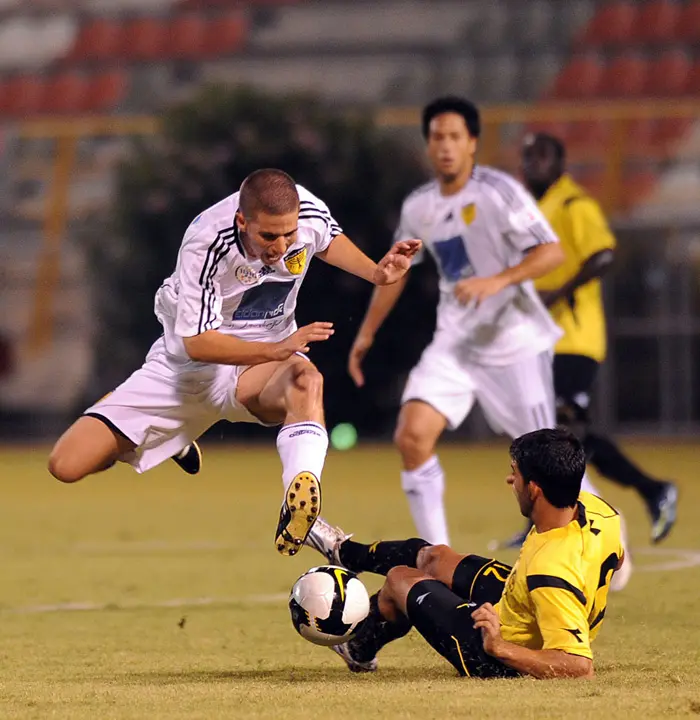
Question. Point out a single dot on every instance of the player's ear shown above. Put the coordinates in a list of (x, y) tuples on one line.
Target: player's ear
[(240, 221)]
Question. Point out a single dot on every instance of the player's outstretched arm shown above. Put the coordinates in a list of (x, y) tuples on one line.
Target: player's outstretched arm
[(344, 254), (215, 347), (382, 303)]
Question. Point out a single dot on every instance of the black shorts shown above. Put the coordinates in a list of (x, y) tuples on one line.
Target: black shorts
[(573, 379), (443, 616)]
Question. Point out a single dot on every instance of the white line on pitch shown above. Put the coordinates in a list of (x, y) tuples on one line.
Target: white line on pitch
[(172, 603)]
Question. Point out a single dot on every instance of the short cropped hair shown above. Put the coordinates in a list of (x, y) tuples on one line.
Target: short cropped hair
[(452, 104), (555, 460), (270, 191), (542, 139)]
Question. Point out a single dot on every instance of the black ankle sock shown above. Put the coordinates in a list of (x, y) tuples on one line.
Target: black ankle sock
[(380, 557), (375, 632), (608, 459)]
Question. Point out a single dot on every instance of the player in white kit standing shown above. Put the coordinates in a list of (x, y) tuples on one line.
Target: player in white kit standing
[(494, 338), (230, 347)]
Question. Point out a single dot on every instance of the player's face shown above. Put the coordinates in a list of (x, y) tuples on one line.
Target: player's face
[(521, 489), (540, 167), (450, 146), (268, 237)]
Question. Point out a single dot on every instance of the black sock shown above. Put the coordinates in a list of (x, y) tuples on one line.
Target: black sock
[(380, 557), (375, 632), (608, 459)]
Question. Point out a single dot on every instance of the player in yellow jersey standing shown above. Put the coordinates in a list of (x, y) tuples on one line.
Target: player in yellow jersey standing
[(487, 619), (573, 294)]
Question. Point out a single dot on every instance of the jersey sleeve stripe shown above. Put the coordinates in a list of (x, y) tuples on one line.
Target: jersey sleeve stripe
[(218, 249), (552, 581), (541, 235)]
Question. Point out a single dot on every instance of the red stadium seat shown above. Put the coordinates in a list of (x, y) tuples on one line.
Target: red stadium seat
[(592, 178), (24, 95), (668, 75), (670, 131), (106, 91), (693, 84), (579, 79), (611, 25), (65, 93), (656, 22), (187, 37), (624, 77), (588, 140), (97, 40), (144, 39), (225, 34), (688, 28), (637, 185)]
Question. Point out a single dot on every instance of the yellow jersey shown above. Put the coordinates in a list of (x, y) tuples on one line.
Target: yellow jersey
[(583, 231), (557, 591)]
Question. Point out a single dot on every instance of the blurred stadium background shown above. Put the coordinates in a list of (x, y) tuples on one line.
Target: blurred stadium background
[(81, 80), (163, 596)]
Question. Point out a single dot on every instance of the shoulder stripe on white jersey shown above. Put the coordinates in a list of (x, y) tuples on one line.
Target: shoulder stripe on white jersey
[(330, 223), (218, 249), (503, 189)]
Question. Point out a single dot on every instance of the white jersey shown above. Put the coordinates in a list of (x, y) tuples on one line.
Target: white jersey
[(482, 230), (215, 286)]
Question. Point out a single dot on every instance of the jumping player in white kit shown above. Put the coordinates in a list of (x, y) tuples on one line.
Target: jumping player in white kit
[(494, 338), (230, 347)]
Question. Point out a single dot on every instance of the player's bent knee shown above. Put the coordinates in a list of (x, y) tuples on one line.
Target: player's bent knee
[(431, 558), (63, 468), (412, 444), (308, 379)]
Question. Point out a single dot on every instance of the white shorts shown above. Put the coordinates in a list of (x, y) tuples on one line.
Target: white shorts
[(169, 402), (515, 398)]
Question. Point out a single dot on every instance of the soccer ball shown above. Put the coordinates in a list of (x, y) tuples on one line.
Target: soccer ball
[(327, 604)]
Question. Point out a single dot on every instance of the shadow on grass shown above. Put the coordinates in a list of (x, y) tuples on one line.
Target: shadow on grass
[(285, 675)]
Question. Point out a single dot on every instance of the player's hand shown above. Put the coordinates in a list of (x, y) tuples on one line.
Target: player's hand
[(396, 263), (486, 619), (479, 288), (360, 348), (300, 340)]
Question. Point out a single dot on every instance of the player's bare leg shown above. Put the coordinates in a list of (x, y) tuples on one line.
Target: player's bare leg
[(418, 429), (87, 447), (292, 393)]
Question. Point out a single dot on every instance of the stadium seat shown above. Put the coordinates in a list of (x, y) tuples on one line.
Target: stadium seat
[(588, 140), (24, 95), (579, 79), (636, 185), (669, 131), (65, 93), (226, 34), (98, 39), (611, 25), (144, 38), (692, 86), (186, 37), (623, 77), (105, 91), (668, 75), (688, 28), (592, 178), (656, 22)]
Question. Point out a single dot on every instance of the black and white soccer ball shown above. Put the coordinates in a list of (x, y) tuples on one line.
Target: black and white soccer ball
[(327, 604)]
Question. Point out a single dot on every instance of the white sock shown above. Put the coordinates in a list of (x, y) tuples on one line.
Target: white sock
[(424, 488), (302, 448)]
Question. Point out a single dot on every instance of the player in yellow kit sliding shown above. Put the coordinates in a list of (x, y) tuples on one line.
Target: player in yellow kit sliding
[(573, 294), (486, 618)]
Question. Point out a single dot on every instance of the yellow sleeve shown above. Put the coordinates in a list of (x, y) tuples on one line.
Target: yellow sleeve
[(560, 611), (590, 232)]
